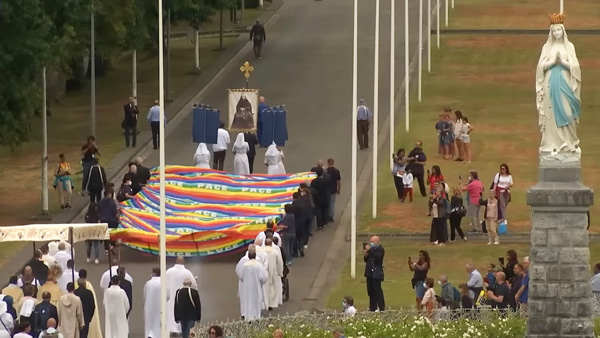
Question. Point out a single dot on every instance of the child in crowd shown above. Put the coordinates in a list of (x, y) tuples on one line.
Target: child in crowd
[(407, 180)]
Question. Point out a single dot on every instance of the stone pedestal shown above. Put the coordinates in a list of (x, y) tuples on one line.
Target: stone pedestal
[(560, 297)]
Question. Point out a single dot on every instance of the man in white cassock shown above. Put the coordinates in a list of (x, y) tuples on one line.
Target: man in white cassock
[(273, 287), (152, 305), (253, 277), (261, 236), (116, 306), (105, 280), (175, 278), (261, 257)]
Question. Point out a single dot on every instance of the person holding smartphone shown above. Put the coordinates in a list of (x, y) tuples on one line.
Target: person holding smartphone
[(509, 268), (420, 269)]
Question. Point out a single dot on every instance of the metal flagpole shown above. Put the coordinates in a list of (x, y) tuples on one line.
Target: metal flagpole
[(406, 70), (438, 23), (134, 75), (162, 240), (93, 71), (420, 48), (452, 4), (354, 143), (45, 148), (375, 108), (562, 6), (446, 8), (429, 36), (392, 77)]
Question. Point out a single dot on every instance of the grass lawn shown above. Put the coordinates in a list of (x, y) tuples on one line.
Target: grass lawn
[(491, 80), (449, 260), (523, 14), (69, 126)]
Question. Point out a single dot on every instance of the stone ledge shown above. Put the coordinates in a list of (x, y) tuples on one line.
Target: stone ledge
[(554, 194)]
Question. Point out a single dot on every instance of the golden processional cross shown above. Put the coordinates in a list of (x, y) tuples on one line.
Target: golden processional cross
[(246, 68)]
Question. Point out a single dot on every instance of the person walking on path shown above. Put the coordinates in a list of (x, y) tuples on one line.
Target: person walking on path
[(252, 141), (274, 160), (43, 312), (92, 217), (363, 114), (38, 268), (95, 330), (127, 286), (458, 211), (202, 156), (240, 160), (116, 306), (335, 179), (152, 305), (373, 256), (154, 119), (6, 321), (108, 213), (288, 226), (398, 171), (175, 278), (51, 331), (88, 305), (63, 182), (89, 152), (258, 36), (129, 123), (95, 181), (320, 192), (220, 148), (188, 309), (416, 164), (503, 181), (70, 313)]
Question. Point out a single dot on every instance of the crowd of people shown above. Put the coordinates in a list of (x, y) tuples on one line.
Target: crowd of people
[(263, 271)]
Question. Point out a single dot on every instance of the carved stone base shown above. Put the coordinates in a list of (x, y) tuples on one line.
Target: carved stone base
[(560, 302)]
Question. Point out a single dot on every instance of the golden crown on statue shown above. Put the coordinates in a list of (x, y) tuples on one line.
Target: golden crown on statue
[(556, 18)]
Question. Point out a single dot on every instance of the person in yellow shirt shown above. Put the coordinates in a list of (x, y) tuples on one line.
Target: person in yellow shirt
[(13, 290)]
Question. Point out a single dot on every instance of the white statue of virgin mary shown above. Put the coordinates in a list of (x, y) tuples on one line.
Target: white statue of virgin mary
[(558, 92)]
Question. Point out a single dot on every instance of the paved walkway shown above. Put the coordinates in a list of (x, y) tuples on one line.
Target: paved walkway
[(306, 65)]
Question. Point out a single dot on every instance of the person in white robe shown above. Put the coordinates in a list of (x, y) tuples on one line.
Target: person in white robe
[(62, 256), (274, 160), (106, 276), (202, 156), (68, 276), (152, 306), (261, 236), (6, 320), (116, 306), (53, 247), (273, 287), (253, 277), (175, 278), (261, 257), (241, 166)]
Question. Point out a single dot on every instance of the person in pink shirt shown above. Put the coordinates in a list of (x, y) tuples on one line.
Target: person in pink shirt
[(474, 190)]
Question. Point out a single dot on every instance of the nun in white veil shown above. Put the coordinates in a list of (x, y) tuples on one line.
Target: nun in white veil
[(558, 91), (274, 160), (202, 156), (240, 160)]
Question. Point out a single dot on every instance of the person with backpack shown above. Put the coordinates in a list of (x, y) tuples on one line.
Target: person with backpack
[(108, 213), (439, 210), (95, 181), (51, 331), (258, 36), (449, 293), (126, 190)]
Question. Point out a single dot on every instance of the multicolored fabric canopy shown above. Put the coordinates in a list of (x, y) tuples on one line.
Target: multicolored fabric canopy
[(208, 212)]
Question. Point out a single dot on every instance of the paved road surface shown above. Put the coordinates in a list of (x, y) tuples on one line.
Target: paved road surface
[(307, 65)]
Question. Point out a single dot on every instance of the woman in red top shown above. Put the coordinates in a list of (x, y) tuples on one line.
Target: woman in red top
[(434, 176)]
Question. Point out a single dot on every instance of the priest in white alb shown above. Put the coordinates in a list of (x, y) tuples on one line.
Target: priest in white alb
[(152, 305), (116, 306), (273, 287), (105, 280), (253, 277), (175, 278)]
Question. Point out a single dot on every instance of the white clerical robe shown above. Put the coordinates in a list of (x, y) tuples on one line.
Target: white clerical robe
[(62, 257), (261, 257), (152, 308), (252, 276), (261, 236), (105, 280), (175, 278), (66, 278), (116, 305), (273, 287), (53, 247)]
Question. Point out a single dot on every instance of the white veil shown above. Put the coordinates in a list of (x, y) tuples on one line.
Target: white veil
[(202, 149), (239, 141), (272, 150)]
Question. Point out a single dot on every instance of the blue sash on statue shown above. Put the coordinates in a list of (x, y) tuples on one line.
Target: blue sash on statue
[(558, 88)]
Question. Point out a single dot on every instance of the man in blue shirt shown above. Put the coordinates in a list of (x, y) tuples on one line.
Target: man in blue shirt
[(154, 119), (363, 117), (522, 295)]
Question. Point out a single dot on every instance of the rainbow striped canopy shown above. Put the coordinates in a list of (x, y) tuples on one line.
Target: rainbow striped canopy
[(208, 212)]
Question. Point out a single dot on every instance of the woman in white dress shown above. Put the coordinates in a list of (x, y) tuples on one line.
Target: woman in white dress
[(274, 160), (202, 156), (240, 161)]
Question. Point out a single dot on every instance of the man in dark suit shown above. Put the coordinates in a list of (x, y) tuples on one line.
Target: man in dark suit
[(126, 286), (252, 140), (130, 122), (373, 256), (38, 267), (143, 173), (187, 307), (88, 305), (258, 36), (320, 191)]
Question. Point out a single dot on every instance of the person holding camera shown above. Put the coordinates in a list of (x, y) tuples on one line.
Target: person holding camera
[(129, 123), (373, 255)]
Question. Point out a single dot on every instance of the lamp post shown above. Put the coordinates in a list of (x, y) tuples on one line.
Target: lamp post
[(392, 77), (93, 70), (406, 70), (354, 145), (375, 108), (45, 148), (420, 49)]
